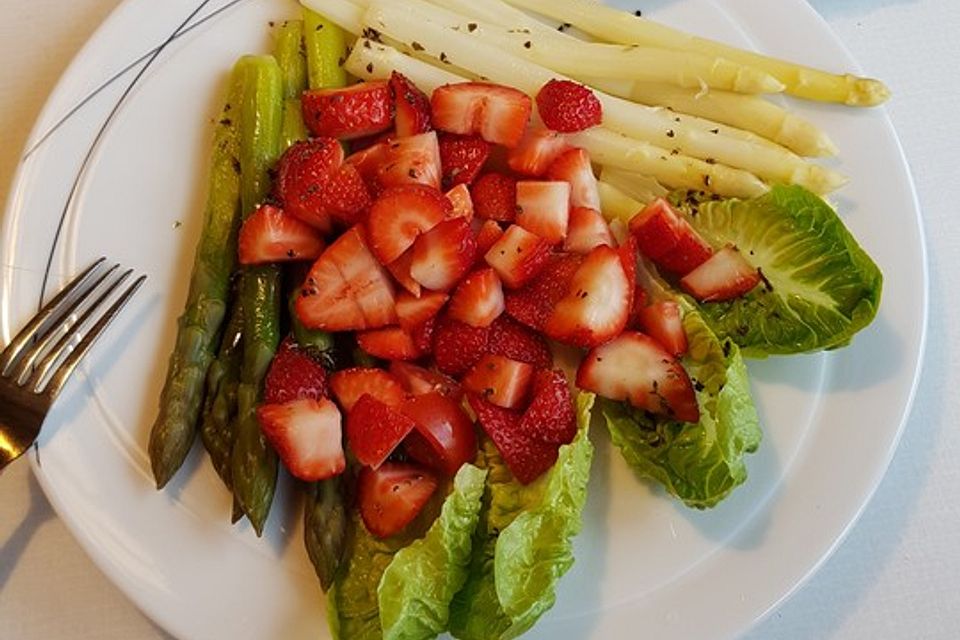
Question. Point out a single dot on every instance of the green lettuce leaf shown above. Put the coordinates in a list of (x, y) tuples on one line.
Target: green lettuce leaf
[(699, 463)]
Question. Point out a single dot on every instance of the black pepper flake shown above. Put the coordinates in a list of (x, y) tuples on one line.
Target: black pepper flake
[(564, 26), (236, 165), (677, 119), (527, 44), (413, 174), (699, 386), (416, 46), (671, 133), (443, 58), (674, 152), (371, 33), (471, 26), (367, 45), (726, 348), (226, 122), (369, 67), (715, 131), (340, 61), (318, 27), (710, 160), (272, 24), (706, 180), (291, 253), (638, 13), (764, 279), (177, 224)]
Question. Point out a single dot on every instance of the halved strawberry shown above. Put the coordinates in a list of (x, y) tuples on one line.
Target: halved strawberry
[(413, 311), (478, 299), (400, 215), (444, 437), (410, 160), (400, 270), (543, 208), (533, 304), (550, 415), (294, 375), (518, 256), (350, 112), (574, 167), (302, 173), (666, 238), (495, 197), (419, 381), (511, 339), (726, 275), (526, 456), (564, 105), (443, 255), (499, 380), (306, 434), (488, 232), (461, 201), (411, 104), (457, 346), (375, 429), (634, 367), (349, 384), (462, 158), (497, 113), (597, 303), (389, 343), (663, 322), (587, 229), (270, 235), (537, 151), (391, 497), (346, 288)]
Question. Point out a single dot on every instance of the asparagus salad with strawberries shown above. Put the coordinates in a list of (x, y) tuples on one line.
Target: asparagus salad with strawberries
[(414, 207)]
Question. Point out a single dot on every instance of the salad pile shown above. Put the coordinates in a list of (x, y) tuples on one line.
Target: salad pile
[(413, 289)]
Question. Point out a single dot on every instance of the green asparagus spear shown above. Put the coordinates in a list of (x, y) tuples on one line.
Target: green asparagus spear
[(199, 327), (326, 50), (290, 54), (218, 425), (325, 527)]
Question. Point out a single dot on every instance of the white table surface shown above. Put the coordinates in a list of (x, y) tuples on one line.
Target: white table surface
[(897, 575)]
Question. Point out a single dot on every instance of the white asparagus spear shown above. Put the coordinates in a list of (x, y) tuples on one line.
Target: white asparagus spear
[(616, 205), (636, 185)]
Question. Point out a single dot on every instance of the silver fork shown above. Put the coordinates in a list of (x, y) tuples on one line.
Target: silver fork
[(36, 364)]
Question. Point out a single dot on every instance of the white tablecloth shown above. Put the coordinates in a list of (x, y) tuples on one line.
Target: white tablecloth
[(898, 573)]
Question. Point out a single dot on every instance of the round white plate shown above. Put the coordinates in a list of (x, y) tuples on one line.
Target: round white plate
[(645, 565)]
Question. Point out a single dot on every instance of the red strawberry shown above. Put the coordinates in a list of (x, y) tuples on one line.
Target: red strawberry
[(574, 167), (457, 346), (400, 270), (374, 430), (391, 497), (543, 208), (412, 106), (389, 343), (495, 197), (550, 415), (270, 235), (422, 335), (294, 375), (410, 160), (537, 151), (534, 303), (302, 173), (526, 456), (499, 380), (497, 113), (351, 112), (628, 260), (349, 384), (306, 434), (487, 235), (566, 106), (346, 288), (690, 252), (663, 322), (478, 299), (726, 275), (518, 256), (443, 255), (413, 312), (462, 158), (345, 194), (587, 229), (515, 341), (461, 202), (666, 238), (634, 367), (362, 144), (401, 214), (639, 303), (419, 381), (444, 438), (597, 304)]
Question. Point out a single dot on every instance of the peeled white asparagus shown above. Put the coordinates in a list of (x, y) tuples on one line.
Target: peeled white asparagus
[(636, 185)]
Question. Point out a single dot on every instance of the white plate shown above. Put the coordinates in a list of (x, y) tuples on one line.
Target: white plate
[(644, 564)]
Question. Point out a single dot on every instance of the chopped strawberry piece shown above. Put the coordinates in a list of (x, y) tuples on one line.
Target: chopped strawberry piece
[(597, 303), (526, 456), (457, 346), (550, 415), (443, 255), (358, 145), (303, 172), (495, 197), (533, 304), (389, 343), (375, 429), (306, 434), (690, 252), (543, 208), (412, 106), (444, 427), (270, 235), (413, 312), (499, 380), (400, 215), (513, 340), (628, 259), (566, 106), (462, 158), (587, 229), (638, 305), (726, 275), (350, 112), (294, 375), (345, 194), (666, 238), (537, 151), (422, 335), (487, 235), (461, 202), (478, 299), (663, 322), (400, 270), (497, 113), (518, 256), (346, 288), (349, 384), (419, 381), (634, 367), (410, 160), (391, 497), (574, 168)]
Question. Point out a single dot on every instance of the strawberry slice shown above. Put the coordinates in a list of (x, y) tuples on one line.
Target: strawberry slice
[(303, 174), (306, 434), (494, 197), (349, 384), (401, 214), (346, 288), (628, 259), (444, 438), (488, 233), (389, 343), (663, 322), (597, 303), (634, 367), (391, 497), (726, 275), (515, 341), (443, 255), (462, 158), (527, 457), (457, 346), (461, 202), (422, 335), (587, 229), (536, 152), (419, 381), (412, 106), (533, 304), (550, 415), (413, 312), (543, 208), (499, 380), (400, 270), (478, 299), (270, 235), (574, 168), (666, 238), (294, 375), (497, 113), (640, 298), (374, 430), (518, 256), (410, 160), (566, 106), (350, 112)]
